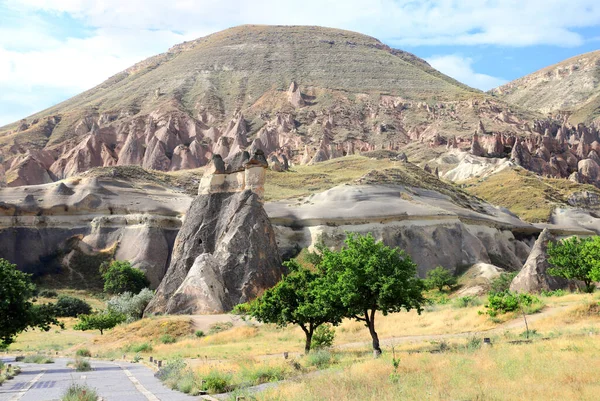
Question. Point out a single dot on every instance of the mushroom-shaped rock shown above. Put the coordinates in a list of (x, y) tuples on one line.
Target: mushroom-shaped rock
[(533, 277)]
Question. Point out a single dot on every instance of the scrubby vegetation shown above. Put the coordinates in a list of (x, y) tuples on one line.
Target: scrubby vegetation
[(81, 365), (67, 306), (120, 277), (130, 305), (38, 358), (80, 392)]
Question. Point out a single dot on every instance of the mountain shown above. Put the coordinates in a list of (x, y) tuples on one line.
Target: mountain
[(570, 88), (302, 94)]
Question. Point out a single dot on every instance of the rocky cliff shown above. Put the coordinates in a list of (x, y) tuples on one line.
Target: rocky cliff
[(226, 252)]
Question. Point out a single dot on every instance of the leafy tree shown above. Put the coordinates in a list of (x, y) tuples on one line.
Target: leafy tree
[(576, 259), (303, 298), (67, 306), (367, 276), (17, 311), (120, 277), (99, 321), (440, 278)]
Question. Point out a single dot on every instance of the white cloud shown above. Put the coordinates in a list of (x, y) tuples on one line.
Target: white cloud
[(122, 32), (461, 69)]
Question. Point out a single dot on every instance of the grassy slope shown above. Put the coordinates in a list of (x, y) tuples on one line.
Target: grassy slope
[(531, 197)]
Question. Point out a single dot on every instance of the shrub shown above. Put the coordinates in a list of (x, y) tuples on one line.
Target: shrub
[(167, 339), (67, 306), (473, 343), (199, 333), (502, 282), (219, 327), (241, 309), (467, 301), (555, 293), (79, 392), (323, 336), (142, 347), (120, 277), (83, 352), (217, 382), (506, 301), (439, 278), (320, 359), (81, 365), (264, 374), (47, 294), (38, 358), (130, 305)]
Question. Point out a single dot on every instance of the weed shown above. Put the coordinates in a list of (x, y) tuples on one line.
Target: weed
[(467, 301), (167, 339), (199, 333), (320, 359), (142, 347), (79, 392), (217, 382), (219, 327), (38, 358), (264, 374), (83, 352), (81, 365)]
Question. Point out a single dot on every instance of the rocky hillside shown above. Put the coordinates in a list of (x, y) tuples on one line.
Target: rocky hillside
[(570, 88), (302, 94)]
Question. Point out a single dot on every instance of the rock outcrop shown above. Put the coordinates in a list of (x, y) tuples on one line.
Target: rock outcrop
[(226, 252), (533, 277)]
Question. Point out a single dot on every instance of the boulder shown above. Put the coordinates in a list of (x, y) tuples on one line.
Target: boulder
[(224, 254), (533, 276)]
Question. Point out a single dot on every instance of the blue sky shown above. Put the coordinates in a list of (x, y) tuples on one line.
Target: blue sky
[(51, 50)]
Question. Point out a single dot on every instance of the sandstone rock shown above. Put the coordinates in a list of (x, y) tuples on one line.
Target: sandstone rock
[(294, 95), (224, 254), (476, 148), (533, 276), (589, 170)]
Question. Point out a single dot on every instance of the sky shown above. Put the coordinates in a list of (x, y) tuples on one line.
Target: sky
[(51, 50)]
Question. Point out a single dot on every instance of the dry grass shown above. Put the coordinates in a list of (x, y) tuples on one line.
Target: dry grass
[(531, 197), (557, 369)]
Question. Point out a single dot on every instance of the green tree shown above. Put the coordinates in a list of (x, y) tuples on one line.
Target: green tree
[(99, 321), (120, 277), (439, 278), (67, 306), (367, 276), (302, 298), (576, 259), (17, 311)]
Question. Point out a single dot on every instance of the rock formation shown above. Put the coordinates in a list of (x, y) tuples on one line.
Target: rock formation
[(533, 276), (226, 252)]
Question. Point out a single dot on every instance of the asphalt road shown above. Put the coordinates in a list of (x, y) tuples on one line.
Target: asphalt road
[(113, 381)]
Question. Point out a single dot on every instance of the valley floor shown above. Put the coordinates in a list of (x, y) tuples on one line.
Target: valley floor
[(440, 353)]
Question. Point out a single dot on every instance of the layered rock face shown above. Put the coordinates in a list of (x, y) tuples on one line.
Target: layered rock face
[(45, 228), (435, 227), (533, 277), (225, 253)]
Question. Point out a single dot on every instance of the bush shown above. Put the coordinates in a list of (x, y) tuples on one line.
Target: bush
[(320, 359), (47, 294), (67, 306), (219, 327), (439, 278), (241, 309), (81, 365), (199, 333), (38, 358), (264, 374), (142, 347), (506, 301), (467, 301), (555, 293), (323, 336), (167, 339), (130, 305), (217, 382), (502, 282), (79, 392), (83, 352), (120, 277)]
